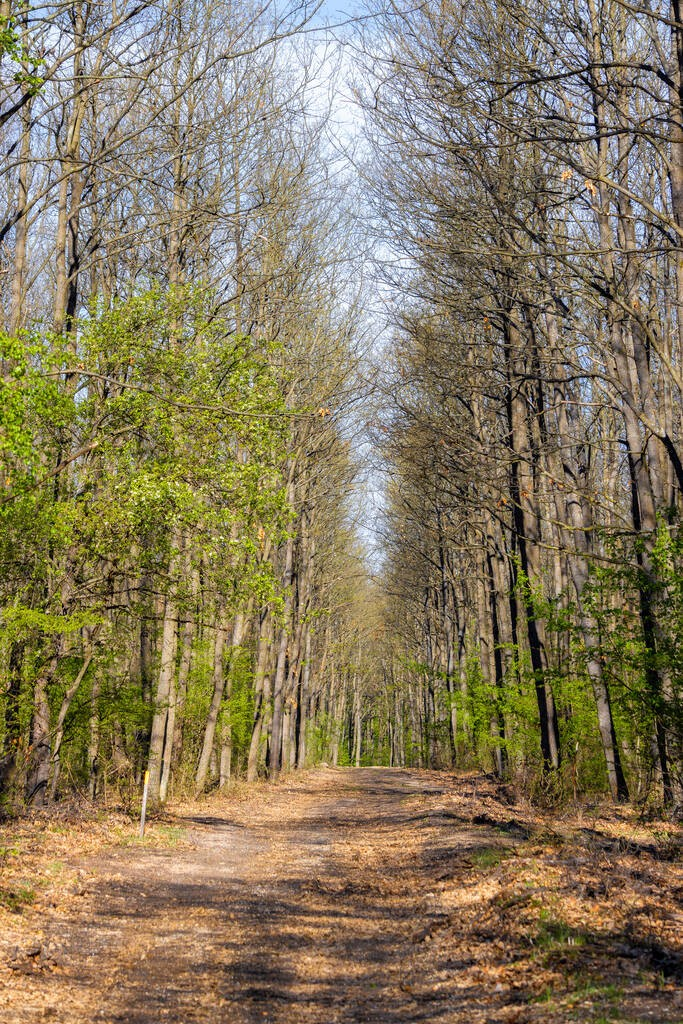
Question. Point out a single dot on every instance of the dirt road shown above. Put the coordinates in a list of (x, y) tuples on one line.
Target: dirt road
[(337, 896)]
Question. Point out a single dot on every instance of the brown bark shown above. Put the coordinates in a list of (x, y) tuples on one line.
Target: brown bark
[(262, 693), (39, 762), (219, 676), (281, 662), (167, 670), (527, 533), (58, 732), (238, 633)]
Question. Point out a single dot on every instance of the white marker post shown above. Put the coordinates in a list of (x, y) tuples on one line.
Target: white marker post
[(143, 813)]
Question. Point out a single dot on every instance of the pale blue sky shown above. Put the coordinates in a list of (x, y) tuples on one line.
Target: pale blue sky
[(338, 10)]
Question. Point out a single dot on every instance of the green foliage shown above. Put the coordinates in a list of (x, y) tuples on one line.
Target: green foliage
[(12, 47), (26, 396), (553, 932), (238, 712), (194, 438), (644, 673), (152, 451), (19, 622), (193, 713), (16, 898), (320, 738), (179, 428), (489, 857)]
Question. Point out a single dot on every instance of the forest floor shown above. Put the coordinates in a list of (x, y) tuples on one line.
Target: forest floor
[(363, 896)]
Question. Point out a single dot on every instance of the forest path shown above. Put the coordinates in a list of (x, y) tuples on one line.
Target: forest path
[(363, 896), (307, 902)]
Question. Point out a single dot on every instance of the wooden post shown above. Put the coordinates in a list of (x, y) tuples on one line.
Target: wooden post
[(143, 812)]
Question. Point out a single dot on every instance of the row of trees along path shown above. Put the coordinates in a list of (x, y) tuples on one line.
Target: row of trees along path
[(186, 376), (258, 280)]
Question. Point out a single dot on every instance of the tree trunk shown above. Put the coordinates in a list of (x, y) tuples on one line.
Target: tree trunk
[(13, 731), (281, 664), (167, 669), (173, 736), (527, 534), (262, 693), (304, 701), (94, 738), (39, 764), (357, 722), (219, 675), (58, 736), (238, 631)]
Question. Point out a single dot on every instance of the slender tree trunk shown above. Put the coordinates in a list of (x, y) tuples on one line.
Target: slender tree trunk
[(173, 738), (357, 722), (498, 720), (58, 732), (225, 766), (167, 669), (21, 226), (281, 664), (71, 187), (262, 693), (40, 760), (527, 532), (94, 738), (238, 632), (13, 729), (304, 701), (219, 676)]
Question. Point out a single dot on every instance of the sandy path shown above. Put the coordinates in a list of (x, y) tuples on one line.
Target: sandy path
[(309, 902)]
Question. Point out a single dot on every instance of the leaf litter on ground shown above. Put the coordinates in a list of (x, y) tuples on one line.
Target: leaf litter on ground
[(371, 895)]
